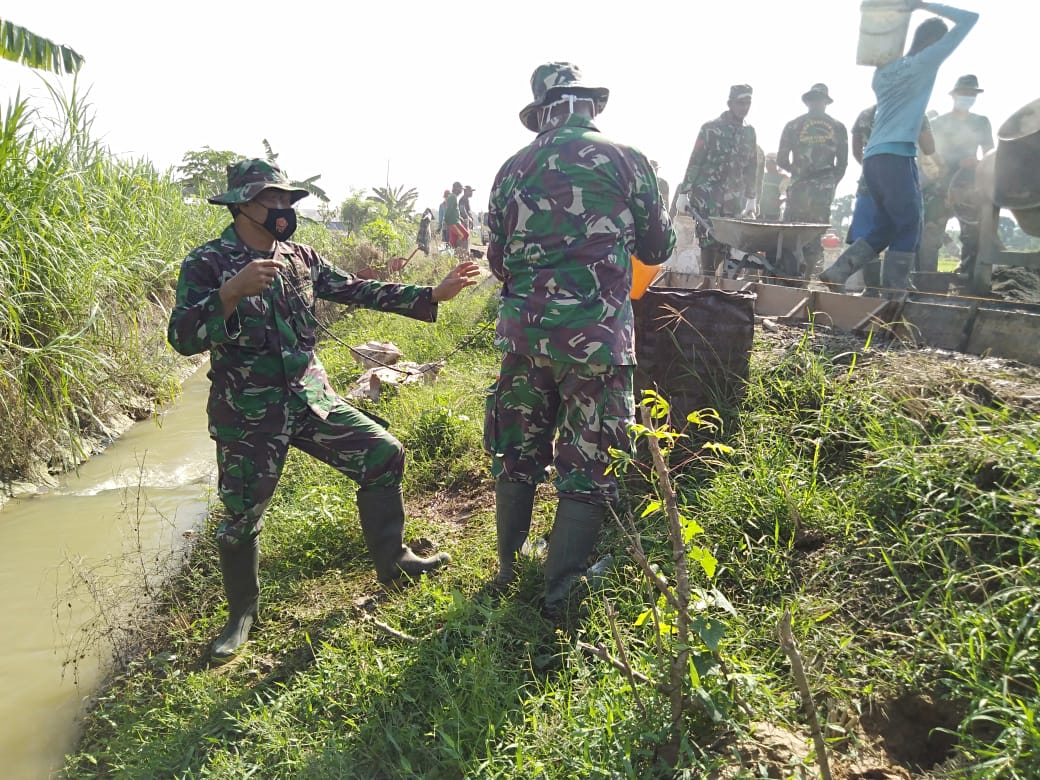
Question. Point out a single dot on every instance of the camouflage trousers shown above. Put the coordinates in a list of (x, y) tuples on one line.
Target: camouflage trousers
[(250, 463), (810, 201), (584, 409)]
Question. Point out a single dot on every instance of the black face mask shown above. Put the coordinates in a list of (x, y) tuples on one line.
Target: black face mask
[(280, 223)]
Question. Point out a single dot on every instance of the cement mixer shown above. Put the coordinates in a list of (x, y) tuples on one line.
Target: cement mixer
[(1009, 178)]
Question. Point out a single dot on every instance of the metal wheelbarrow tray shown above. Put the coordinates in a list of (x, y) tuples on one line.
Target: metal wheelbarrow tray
[(782, 242)]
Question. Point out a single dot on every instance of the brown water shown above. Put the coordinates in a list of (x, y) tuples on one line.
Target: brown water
[(87, 518)]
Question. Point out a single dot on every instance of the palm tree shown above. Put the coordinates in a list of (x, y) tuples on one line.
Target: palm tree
[(20, 45), (398, 201), (307, 184)]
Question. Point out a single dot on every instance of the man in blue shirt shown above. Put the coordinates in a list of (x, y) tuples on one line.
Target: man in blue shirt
[(903, 89)]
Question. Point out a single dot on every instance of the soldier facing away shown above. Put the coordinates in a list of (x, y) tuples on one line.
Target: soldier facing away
[(814, 148), (721, 176), (566, 214), (248, 297)]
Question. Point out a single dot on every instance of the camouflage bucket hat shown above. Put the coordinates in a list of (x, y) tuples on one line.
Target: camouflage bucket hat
[(553, 79), (248, 178), (818, 91)]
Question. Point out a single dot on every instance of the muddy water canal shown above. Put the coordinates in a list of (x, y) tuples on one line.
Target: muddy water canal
[(90, 518)]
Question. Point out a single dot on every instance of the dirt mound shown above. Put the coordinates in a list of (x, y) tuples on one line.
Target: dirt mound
[(1020, 285)]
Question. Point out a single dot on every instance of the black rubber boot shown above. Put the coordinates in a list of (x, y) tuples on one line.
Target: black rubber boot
[(872, 279), (382, 522), (895, 276), (850, 261), (241, 571), (514, 503), (572, 540)]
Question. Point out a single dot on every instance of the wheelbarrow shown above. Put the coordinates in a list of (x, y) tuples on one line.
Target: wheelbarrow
[(773, 249)]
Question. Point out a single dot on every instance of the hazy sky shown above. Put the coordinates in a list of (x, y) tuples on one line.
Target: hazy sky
[(433, 89)]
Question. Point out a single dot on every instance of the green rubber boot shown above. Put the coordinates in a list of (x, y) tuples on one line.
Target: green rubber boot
[(570, 544), (895, 276), (382, 522), (514, 503), (872, 279), (850, 261), (241, 570)]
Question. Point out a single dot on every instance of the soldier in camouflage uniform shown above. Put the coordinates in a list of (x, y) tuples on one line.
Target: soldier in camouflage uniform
[(814, 149), (248, 297), (721, 177), (566, 214), (960, 137)]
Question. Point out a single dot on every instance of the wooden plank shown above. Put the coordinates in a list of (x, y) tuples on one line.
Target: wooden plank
[(1006, 334), (936, 325), (801, 306), (846, 312), (776, 301), (874, 317)]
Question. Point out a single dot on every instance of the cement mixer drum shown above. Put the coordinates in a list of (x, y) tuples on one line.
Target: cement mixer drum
[(1016, 175)]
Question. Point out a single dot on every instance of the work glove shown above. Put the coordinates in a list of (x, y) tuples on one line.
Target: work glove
[(750, 208)]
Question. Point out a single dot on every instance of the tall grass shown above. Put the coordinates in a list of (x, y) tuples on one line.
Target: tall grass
[(90, 245)]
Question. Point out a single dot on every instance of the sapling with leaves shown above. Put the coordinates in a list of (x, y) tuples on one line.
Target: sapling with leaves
[(682, 614)]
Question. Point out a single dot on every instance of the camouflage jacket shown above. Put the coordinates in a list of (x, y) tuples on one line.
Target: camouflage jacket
[(814, 148), (264, 352), (565, 215), (723, 167)]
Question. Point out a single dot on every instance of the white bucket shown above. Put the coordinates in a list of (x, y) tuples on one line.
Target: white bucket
[(883, 28)]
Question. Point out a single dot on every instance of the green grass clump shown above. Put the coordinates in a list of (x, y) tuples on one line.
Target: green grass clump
[(894, 512)]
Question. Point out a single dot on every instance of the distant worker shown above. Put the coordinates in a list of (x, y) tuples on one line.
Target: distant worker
[(814, 149), (424, 236), (775, 184), (961, 138), (442, 228), (248, 299), (721, 176), (465, 210), (458, 233), (566, 214), (903, 88), (864, 212), (662, 185)]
